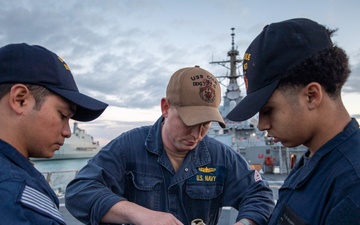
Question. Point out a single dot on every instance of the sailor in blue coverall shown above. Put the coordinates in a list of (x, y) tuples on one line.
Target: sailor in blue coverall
[(38, 96), (304, 196), (295, 75), (27, 190), (135, 167)]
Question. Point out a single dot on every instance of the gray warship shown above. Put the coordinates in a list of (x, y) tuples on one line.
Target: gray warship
[(244, 137)]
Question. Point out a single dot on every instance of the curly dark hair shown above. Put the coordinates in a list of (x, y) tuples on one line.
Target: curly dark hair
[(330, 68)]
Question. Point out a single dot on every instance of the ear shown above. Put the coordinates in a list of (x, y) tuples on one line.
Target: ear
[(19, 98), (314, 94), (165, 105)]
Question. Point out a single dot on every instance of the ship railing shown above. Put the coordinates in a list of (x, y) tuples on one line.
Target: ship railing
[(58, 180)]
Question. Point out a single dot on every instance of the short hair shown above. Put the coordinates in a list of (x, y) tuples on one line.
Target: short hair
[(329, 68), (39, 93)]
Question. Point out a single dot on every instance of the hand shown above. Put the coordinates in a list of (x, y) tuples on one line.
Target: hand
[(128, 212)]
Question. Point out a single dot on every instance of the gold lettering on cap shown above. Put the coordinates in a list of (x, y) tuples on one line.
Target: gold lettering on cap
[(65, 65), (247, 56), (245, 65)]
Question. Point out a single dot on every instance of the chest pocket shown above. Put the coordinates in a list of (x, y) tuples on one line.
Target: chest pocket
[(204, 201), (143, 189), (144, 182), (203, 191), (207, 184)]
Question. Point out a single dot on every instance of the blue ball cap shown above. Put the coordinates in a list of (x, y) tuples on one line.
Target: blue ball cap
[(272, 53), (32, 64)]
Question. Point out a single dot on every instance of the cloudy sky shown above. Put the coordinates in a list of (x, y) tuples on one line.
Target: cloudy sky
[(124, 51)]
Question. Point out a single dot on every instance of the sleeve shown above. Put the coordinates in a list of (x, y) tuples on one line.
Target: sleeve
[(346, 211), (25, 205), (247, 191), (97, 186)]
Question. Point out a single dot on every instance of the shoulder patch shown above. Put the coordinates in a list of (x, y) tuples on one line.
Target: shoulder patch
[(257, 176), (34, 199)]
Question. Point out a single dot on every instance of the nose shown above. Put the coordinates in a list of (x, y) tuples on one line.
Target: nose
[(263, 123), (66, 131), (196, 130)]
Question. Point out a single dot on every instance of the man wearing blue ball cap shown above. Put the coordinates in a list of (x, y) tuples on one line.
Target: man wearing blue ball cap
[(294, 75), (38, 96)]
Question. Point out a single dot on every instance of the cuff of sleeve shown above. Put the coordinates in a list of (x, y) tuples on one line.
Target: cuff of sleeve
[(245, 222)]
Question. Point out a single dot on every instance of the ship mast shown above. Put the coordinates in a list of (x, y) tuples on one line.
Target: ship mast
[(233, 93)]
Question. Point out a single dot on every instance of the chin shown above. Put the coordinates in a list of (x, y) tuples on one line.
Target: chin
[(50, 155), (187, 148), (290, 145)]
